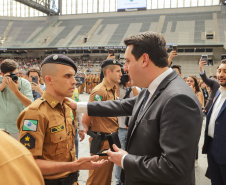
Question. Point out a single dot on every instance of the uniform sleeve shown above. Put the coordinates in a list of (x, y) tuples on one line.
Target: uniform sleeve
[(26, 89), (97, 95), (32, 125)]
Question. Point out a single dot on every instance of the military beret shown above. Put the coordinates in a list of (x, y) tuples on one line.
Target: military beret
[(110, 62), (59, 59)]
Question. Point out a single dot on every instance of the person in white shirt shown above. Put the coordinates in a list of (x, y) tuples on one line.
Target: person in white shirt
[(215, 133)]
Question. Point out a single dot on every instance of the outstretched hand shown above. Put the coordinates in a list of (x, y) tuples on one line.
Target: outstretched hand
[(88, 163), (116, 156), (72, 104)]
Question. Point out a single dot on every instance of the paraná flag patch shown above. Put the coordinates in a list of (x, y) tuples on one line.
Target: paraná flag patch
[(98, 97), (30, 125)]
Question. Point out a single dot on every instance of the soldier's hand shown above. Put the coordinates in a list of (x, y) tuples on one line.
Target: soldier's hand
[(116, 156), (81, 135), (89, 163)]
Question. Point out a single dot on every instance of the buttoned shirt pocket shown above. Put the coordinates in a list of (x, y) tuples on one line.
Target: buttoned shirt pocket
[(59, 140)]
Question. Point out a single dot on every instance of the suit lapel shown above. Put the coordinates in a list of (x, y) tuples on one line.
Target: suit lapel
[(136, 119), (211, 108), (137, 107), (222, 108)]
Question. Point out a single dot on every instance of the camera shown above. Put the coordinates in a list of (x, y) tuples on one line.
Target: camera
[(124, 77), (13, 76)]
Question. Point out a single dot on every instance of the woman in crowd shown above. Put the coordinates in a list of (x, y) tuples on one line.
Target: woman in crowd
[(193, 83)]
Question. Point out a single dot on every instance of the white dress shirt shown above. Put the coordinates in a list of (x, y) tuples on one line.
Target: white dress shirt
[(216, 109)]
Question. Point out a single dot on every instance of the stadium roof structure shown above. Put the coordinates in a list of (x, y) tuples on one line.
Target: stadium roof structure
[(48, 6), (199, 26)]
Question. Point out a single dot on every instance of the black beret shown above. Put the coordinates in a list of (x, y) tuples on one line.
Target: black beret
[(59, 59), (110, 62)]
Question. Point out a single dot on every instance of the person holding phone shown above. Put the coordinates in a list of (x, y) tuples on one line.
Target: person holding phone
[(172, 54), (34, 76), (211, 82)]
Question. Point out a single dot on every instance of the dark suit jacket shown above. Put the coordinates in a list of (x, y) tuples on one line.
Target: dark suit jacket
[(214, 86), (162, 141), (219, 141)]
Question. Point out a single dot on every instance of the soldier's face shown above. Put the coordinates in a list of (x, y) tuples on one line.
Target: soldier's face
[(116, 75), (63, 83)]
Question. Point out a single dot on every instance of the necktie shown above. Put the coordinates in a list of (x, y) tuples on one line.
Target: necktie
[(145, 100)]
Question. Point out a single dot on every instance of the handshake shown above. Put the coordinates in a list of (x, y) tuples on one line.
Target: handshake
[(115, 154)]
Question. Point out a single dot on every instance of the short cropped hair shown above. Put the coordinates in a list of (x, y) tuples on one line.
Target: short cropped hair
[(151, 43), (8, 65), (110, 67)]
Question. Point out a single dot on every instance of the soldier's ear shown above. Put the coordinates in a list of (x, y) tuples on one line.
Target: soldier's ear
[(48, 79)]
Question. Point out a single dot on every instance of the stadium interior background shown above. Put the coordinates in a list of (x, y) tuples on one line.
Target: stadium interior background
[(86, 30)]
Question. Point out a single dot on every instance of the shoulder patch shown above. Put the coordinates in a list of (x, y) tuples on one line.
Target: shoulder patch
[(30, 125), (28, 141), (98, 97), (36, 104)]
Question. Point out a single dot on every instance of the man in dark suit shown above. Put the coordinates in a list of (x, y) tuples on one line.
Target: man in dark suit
[(211, 82), (165, 126), (215, 133)]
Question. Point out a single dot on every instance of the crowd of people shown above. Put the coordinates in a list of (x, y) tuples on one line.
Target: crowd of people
[(144, 120)]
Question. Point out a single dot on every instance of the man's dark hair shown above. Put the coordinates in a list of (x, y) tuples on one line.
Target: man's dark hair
[(177, 67), (8, 65), (151, 43), (34, 70), (223, 61)]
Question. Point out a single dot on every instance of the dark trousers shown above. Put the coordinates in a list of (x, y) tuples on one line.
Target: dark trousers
[(217, 171)]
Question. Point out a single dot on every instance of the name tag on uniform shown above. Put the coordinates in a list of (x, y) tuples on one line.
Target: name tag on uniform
[(57, 128)]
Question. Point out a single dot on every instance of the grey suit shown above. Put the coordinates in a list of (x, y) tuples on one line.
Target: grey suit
[(214, 86), (162, 141)]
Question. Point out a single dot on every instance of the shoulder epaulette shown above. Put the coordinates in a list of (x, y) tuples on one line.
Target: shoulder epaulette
[(36, 104)]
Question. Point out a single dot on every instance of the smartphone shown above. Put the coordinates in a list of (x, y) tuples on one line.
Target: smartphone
[(112, 52), (205, 59), (35, 79), (175, 48)]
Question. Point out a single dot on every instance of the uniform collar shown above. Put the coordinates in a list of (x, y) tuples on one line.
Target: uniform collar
[(108, 85), (53, 102)]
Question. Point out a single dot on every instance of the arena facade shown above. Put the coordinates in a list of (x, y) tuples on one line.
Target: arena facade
[(196, 30)]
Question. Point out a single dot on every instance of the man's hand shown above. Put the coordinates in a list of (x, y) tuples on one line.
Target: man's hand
[(116, 156), (5, 81), (173, 54), (110, 56), (201, 65), (36, 87), (14, 86), (88, 163), (81, 135)]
